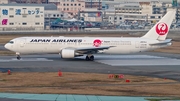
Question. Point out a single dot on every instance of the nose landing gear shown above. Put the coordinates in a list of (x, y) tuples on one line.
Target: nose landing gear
[(18, 56)]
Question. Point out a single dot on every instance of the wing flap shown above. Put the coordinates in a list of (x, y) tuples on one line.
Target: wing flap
[(85, 50)]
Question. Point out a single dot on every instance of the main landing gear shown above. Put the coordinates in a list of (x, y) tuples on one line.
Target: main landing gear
[(89, 58)]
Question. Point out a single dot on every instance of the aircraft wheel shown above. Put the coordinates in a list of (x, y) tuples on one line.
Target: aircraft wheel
[(91, 58), (87, 58)]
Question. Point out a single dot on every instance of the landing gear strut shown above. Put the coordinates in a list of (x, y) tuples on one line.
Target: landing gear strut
[(89, 58)]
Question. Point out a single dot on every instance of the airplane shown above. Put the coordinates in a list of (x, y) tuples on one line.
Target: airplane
[(71, 47)]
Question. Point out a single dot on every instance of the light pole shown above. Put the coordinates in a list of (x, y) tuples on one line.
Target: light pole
[(62, 17), (99, 4), (177, 12), (114, 18), (78, 13), (49, 15), (78, 17), (91, 3), (147, 18)]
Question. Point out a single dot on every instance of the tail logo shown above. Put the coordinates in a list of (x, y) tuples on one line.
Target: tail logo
[(161, 28), (97, 43)]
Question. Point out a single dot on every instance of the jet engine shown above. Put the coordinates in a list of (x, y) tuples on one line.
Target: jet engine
[(67, 53)]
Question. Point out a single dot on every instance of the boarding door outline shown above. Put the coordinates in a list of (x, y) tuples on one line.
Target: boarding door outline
[(22, 42), (77, 43), (137, 44)]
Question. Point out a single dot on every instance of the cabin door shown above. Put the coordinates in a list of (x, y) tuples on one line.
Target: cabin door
[(22, 43), (137, 44)]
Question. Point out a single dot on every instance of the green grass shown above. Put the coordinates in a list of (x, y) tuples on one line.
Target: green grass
[(1, 80), (6, 52)]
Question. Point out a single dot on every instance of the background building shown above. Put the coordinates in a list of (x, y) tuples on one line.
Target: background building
[(28, 1), (69, 6), (142, 12), (141, 18), (51, 14), (93, 5), (128, 8), (61, 12), (21, 16), (3, 1), (91, 16)]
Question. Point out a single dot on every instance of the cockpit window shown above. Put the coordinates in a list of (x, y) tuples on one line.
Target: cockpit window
[(11, 42)]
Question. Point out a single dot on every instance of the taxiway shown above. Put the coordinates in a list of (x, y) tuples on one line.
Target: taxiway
[(147, 64)]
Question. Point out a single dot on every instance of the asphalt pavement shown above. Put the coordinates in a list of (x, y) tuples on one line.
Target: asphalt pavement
[(2, 47), (136, 64)]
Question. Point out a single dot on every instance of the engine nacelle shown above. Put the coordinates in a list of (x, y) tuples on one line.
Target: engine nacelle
[(67, 53)]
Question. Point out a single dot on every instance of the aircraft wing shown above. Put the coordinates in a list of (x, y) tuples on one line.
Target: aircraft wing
[(86, 50), (161, 42)]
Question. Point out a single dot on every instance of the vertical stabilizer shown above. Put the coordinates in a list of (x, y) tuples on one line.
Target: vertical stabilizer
[(160, 30)]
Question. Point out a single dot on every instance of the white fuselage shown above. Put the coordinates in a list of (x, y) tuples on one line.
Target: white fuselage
[(70, 47), (122, 45)]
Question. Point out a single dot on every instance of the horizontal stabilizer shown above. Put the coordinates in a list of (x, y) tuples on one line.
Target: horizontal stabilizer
[(162, 42)]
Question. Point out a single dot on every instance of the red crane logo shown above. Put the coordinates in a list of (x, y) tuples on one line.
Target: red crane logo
[(162, 28), (97, 43)]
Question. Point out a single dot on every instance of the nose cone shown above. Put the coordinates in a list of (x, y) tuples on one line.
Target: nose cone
[(7, 46)]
